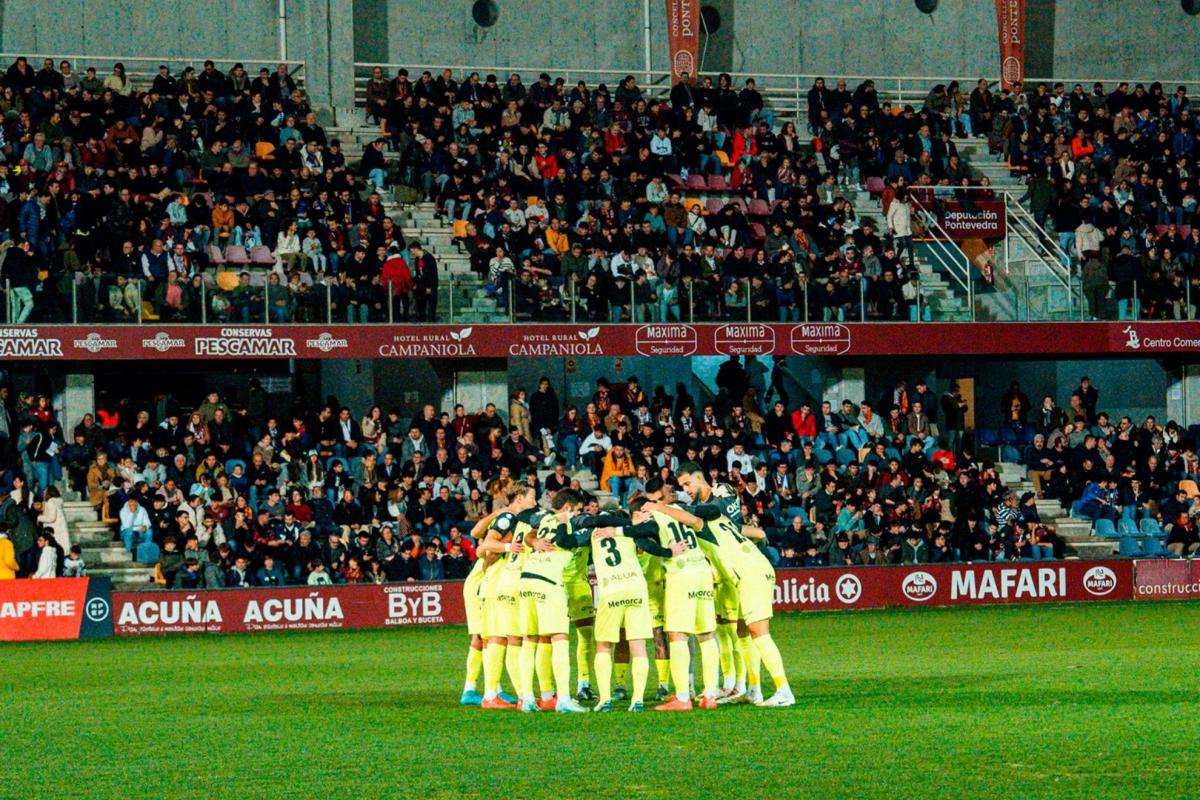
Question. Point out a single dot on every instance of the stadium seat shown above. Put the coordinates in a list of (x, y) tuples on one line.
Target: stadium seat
[(261, 256), (1190, 487), (690, 202), (264, 151), (1105, 529), (676, 181), (459, 229), (1152, 546), (149, 314), (696, 183), (717, 183), (1127, 527), (1027, 434), (714, 205), (214, 255), (1149, 527), (234, 462), (875, 186), (723, 159), (759, 208), (332, 459), (1008, 436), (845, 456), (236, 254), (985, 437), (891, 452), (1129, 547), (822, 455), (757, 232)]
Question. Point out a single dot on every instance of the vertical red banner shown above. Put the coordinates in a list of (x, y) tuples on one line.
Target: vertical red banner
[(683, 37), (1010, 19)]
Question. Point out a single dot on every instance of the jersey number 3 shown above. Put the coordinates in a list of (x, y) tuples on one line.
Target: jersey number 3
[(613, 556)]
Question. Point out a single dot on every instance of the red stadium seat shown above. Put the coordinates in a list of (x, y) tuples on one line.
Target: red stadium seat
[(236, 254), (759, 208), (697, 183)]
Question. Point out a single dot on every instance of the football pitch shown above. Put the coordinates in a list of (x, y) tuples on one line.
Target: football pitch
[(1062, 701)]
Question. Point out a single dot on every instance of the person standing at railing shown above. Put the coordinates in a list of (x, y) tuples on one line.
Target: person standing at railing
[(899, 222)]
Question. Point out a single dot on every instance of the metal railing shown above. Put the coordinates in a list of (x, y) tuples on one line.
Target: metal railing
[(946, 252), (141, 70), (785, 93)]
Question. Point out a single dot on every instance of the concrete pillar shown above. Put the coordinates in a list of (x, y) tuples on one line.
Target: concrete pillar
[(1183, 395), (847, 383), (78, 398), (321, 33)]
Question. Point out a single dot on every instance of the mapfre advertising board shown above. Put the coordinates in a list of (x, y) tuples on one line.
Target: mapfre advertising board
[(61, 608)]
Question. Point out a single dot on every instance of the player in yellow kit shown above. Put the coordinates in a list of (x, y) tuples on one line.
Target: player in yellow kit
[(624, 601), (753, 575), (583, 616), (687, 603), (473, 588), (505, 542), (544, 600)]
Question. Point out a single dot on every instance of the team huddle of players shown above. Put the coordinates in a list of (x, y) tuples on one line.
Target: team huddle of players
[(664, 574)]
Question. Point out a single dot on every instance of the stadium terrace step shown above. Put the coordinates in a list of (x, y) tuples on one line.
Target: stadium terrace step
[(108, 554), (135, 575)]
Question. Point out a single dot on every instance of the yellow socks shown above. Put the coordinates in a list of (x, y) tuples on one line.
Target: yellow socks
[(640, 667), (680, 660), (751, 659), (528, 666), (474, 667), (621, 674), (663, 666), (512, 665), (727, 641), (545, 670), (585, 648), (710, 658), (560, 660), (493, 666), (604, 668), (772, 660)]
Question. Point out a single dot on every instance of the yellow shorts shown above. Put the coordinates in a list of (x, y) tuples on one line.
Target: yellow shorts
[(657, 601), (543, 608), (474, 603), (580, 602), (725, 600), (630, 613), (689, 607), (756, 595), (501, 615)]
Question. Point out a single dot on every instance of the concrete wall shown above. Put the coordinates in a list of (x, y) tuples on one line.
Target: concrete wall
[(1150, 39)]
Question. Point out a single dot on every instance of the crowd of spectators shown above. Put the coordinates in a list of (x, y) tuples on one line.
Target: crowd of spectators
[(1112, 173), (177, 200), (220, 495)]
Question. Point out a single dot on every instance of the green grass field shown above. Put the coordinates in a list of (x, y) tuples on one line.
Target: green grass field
[(1088, 701)]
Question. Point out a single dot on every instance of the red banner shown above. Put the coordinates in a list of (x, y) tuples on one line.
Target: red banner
[(1010, 20), (291, 609), (987, 221), (403, 604), (1162, 579), (61, 608), (199, 342), (952, 584), (683, 37)]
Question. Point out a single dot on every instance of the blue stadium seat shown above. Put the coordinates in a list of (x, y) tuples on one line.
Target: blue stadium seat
[(1009, 454), (1105, 529), (985, 437), (1127, 527), (329, 463), (1152, 546), (1130, 548), (1008, 436), (1027, 434), (845, 456), (1149, 527), (892, 452), (822, 455), (234, 462)]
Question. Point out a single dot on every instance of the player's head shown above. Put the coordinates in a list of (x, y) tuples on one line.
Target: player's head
[(657, 490), (637, 506), (692, 480), (566, 501), (520, 496)]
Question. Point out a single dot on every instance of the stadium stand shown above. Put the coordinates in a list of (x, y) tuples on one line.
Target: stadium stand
[(374, 496), (542, 200)]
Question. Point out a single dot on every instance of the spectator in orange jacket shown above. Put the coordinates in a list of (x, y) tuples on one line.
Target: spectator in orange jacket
[(617, 472)]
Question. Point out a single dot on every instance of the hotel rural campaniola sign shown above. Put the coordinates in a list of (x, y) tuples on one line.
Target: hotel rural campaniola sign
[(816, 339)]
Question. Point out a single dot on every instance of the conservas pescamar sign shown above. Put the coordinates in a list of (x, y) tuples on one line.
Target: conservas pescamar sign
[(28, 343), (246, 343)]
